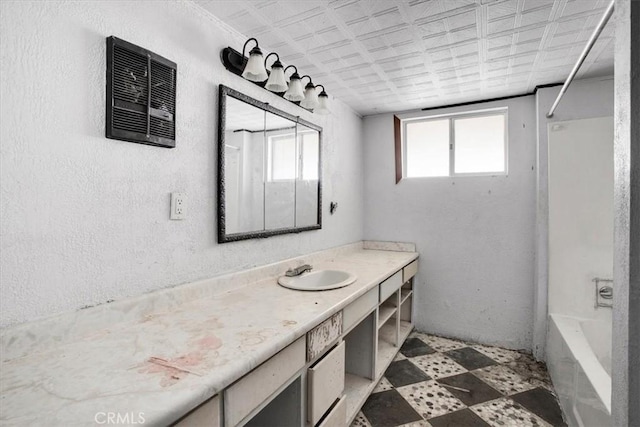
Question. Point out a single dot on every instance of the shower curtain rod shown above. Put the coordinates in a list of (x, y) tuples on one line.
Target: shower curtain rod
[(583, 56)]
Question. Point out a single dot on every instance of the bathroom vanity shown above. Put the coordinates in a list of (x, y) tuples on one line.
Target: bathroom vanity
[(233, 350), (326, 374)]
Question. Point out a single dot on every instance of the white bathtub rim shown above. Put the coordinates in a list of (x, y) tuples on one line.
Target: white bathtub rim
[(571, 331)]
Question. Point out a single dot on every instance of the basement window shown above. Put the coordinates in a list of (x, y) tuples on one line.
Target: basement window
[(469, 144), (287, 160), (281, 157)]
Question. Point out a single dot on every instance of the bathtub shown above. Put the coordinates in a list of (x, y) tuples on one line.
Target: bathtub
[(579, 361)]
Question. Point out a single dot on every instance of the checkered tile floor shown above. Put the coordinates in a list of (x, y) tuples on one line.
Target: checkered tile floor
[(441, 382)]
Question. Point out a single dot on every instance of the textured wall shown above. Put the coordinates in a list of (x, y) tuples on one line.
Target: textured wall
[(584, 99), (85, 219), (475, 235), (625, 373), (580, 215)]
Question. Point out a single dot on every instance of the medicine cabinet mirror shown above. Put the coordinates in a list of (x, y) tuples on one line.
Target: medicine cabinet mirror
[(269, 170)]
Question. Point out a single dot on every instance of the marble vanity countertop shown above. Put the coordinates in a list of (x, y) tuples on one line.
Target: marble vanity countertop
[(128, 368)]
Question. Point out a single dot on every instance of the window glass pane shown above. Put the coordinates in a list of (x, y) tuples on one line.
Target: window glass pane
[(282, 156), (310, 155), (479, 144), (427, 145)]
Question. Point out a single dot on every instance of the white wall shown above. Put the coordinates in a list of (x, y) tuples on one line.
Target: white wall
[(584, 99), (85, 219), (475, 235), (580, 215)]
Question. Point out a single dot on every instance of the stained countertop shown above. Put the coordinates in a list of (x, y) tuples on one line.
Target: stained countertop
[(164, 363)]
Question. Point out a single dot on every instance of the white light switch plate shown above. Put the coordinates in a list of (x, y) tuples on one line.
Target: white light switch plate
[(178, 206)]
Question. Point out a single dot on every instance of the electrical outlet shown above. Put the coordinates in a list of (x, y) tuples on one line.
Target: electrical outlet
[(178, 206)]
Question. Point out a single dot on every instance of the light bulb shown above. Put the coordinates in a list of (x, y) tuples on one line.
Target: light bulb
[(276, 82), (310, 100), (323, 104), (254, 70), (294, 93)]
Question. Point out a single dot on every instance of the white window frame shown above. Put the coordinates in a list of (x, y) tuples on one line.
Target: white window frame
[(452, 141), (269, 157), (299, 153)]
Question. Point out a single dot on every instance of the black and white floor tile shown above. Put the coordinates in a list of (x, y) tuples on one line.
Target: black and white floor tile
[(440, 382)]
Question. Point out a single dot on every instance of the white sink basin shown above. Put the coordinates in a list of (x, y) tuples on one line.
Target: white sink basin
[(319, 280)]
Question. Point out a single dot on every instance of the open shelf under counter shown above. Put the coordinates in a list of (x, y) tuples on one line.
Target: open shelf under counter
[(385, 312), (387, 349), (406, 302), (387, 333), (406, 291), (404, 294), (360, 364), (405, 311), (405, 329), (386, 353), (357, 389)]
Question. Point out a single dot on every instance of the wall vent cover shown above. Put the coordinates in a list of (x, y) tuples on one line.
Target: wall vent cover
[(141, 95)]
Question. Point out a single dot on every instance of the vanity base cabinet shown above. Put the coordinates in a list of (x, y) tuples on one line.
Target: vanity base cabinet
[(243, 397), (284, 410), (406, 302), (395, 323), (405, 310), (324, 378), (360, 348), (378, 338), (360, 363)]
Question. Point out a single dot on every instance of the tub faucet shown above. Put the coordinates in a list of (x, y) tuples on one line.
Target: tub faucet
[(292, 272), (604, 293)]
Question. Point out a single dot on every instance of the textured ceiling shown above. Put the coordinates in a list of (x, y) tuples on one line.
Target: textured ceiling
[(393, 55)]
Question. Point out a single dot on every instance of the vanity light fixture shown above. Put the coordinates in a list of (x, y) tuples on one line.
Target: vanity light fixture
[(255, 70), (310, 100), (276, 81), (290, 88), (295, 92), (323, 103)]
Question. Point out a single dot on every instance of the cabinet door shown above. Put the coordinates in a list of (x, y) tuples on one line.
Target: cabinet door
[(338, 415), (326, 383)]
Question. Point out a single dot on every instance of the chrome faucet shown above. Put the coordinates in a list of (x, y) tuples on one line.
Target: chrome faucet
[(292, 272)]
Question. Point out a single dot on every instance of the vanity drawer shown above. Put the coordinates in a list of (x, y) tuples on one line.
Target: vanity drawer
[(323, 335), (409, 271), (338, 415), (255, 387), (207, 414), (359, 308), (326, 383), (389, 286)]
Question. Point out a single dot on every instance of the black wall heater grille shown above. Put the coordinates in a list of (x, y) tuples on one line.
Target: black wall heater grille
[(141, 95)]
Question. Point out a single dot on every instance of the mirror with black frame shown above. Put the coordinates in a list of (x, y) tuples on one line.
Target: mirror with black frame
[(269, 170)]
